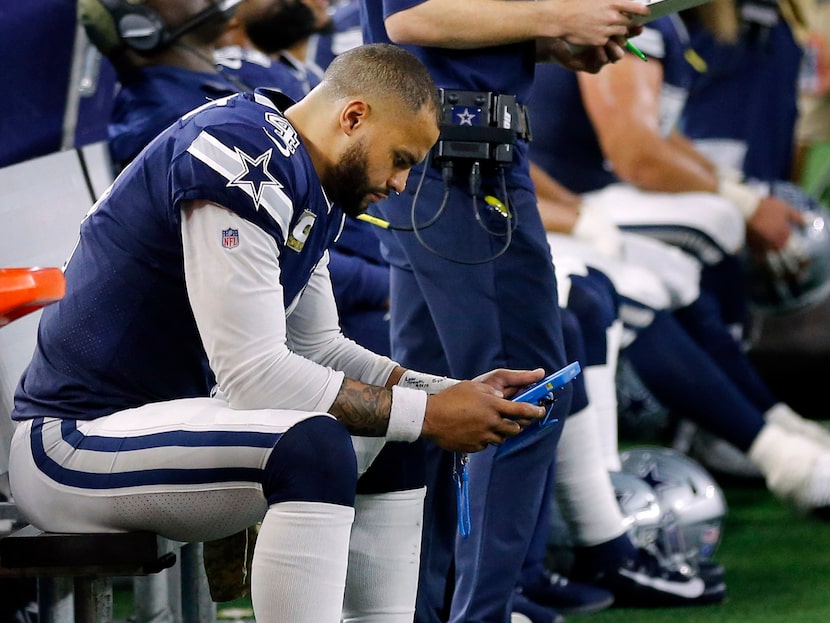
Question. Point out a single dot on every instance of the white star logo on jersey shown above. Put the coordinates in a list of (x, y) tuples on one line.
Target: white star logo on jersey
[(466, 117), (255, 175)]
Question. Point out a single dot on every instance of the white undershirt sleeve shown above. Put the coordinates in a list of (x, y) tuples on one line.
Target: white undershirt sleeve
[(237, 301), (314, 332)]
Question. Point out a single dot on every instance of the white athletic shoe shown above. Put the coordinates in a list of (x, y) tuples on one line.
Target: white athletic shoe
[(721, 457), (796, 468), (791, 421)]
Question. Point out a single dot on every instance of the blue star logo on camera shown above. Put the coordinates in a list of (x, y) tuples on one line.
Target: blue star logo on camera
[(255, 176), (466, 116)]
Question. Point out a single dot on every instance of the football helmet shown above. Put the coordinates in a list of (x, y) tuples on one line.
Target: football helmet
[(642, 515), (686, 492), (799, 275), (649, 525)]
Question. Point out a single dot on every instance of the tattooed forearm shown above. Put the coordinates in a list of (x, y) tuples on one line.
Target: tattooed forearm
[(363, 409)]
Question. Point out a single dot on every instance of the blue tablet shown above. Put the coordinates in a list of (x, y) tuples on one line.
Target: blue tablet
[(540, 393)]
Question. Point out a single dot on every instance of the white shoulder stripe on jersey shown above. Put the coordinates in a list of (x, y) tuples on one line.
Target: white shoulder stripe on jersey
[(227, 162)]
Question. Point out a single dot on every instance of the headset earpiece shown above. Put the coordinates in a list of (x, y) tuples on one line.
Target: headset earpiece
[(143, 29), (139, 26)]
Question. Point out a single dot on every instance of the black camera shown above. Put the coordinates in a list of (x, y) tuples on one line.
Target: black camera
[(479, 126)]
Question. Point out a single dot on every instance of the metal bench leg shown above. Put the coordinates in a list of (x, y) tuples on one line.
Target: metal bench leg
[(197, 606), (93, 600), (55, 600), (174, 589), (151, 598)]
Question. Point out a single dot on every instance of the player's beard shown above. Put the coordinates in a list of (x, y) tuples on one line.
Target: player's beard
[(348, 183)]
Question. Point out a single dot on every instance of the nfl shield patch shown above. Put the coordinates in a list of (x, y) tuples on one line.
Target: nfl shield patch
[(230, 238)]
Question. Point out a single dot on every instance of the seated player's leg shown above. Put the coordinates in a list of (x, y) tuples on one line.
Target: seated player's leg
[(704, 225), (596, 305), (195, 470), (385, 546)]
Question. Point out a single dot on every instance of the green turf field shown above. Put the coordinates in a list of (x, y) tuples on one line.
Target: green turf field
[(777, 568)]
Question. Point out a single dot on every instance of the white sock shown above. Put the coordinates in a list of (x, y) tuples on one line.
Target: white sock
[(583, 487), (784, 416), (601, 386), (787, 461), (384, 557), (298, 572)]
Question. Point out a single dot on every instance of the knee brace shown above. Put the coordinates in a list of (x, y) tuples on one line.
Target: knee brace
[(313, 461)]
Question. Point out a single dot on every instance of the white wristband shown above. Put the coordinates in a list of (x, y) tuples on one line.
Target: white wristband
[(745, 198), (728, 173), (406, 417), (429, 383)]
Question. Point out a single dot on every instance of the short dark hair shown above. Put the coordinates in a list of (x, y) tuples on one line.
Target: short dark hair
[(383, 69)]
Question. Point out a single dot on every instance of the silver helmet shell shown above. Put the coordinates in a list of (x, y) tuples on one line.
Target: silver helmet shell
[(686, 491), (648, 525), (799, 275), (638, 503)]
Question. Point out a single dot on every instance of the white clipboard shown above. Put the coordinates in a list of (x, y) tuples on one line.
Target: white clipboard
[(659, 8)]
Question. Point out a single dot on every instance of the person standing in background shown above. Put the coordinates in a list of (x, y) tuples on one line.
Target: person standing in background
[(476, 285)]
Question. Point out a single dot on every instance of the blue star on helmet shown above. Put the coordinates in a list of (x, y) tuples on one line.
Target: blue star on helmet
[(255, 176), (623, 497), (657, 480)]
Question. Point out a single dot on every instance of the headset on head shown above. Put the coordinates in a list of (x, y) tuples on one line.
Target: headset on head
[(143, 29)]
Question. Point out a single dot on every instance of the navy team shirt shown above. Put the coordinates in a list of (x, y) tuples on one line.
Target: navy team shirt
[(506, 69), (564, 142), (747, 97)]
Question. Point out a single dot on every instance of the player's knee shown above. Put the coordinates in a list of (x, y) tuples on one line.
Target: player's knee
[(400, 466), (594, 302), (313, 461)]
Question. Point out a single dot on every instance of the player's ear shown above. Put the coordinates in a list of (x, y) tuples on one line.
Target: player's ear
[(353, 115)]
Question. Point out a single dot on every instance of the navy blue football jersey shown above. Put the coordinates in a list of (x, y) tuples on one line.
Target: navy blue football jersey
[(746, 99), (126, 290), (152, 98), (255, 69)]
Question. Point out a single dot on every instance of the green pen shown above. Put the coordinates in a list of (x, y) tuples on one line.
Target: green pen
[(633, 49)]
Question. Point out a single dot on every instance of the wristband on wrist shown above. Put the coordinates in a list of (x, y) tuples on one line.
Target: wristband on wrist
[(745, 198), (406, 417), (429, 383), (728, 173)]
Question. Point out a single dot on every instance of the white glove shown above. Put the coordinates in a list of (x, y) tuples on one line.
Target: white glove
[(594, 225)]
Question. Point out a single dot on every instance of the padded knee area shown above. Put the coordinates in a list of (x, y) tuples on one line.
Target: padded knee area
[(398, 467), (595, 302), (313, 461), (575, 350)]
